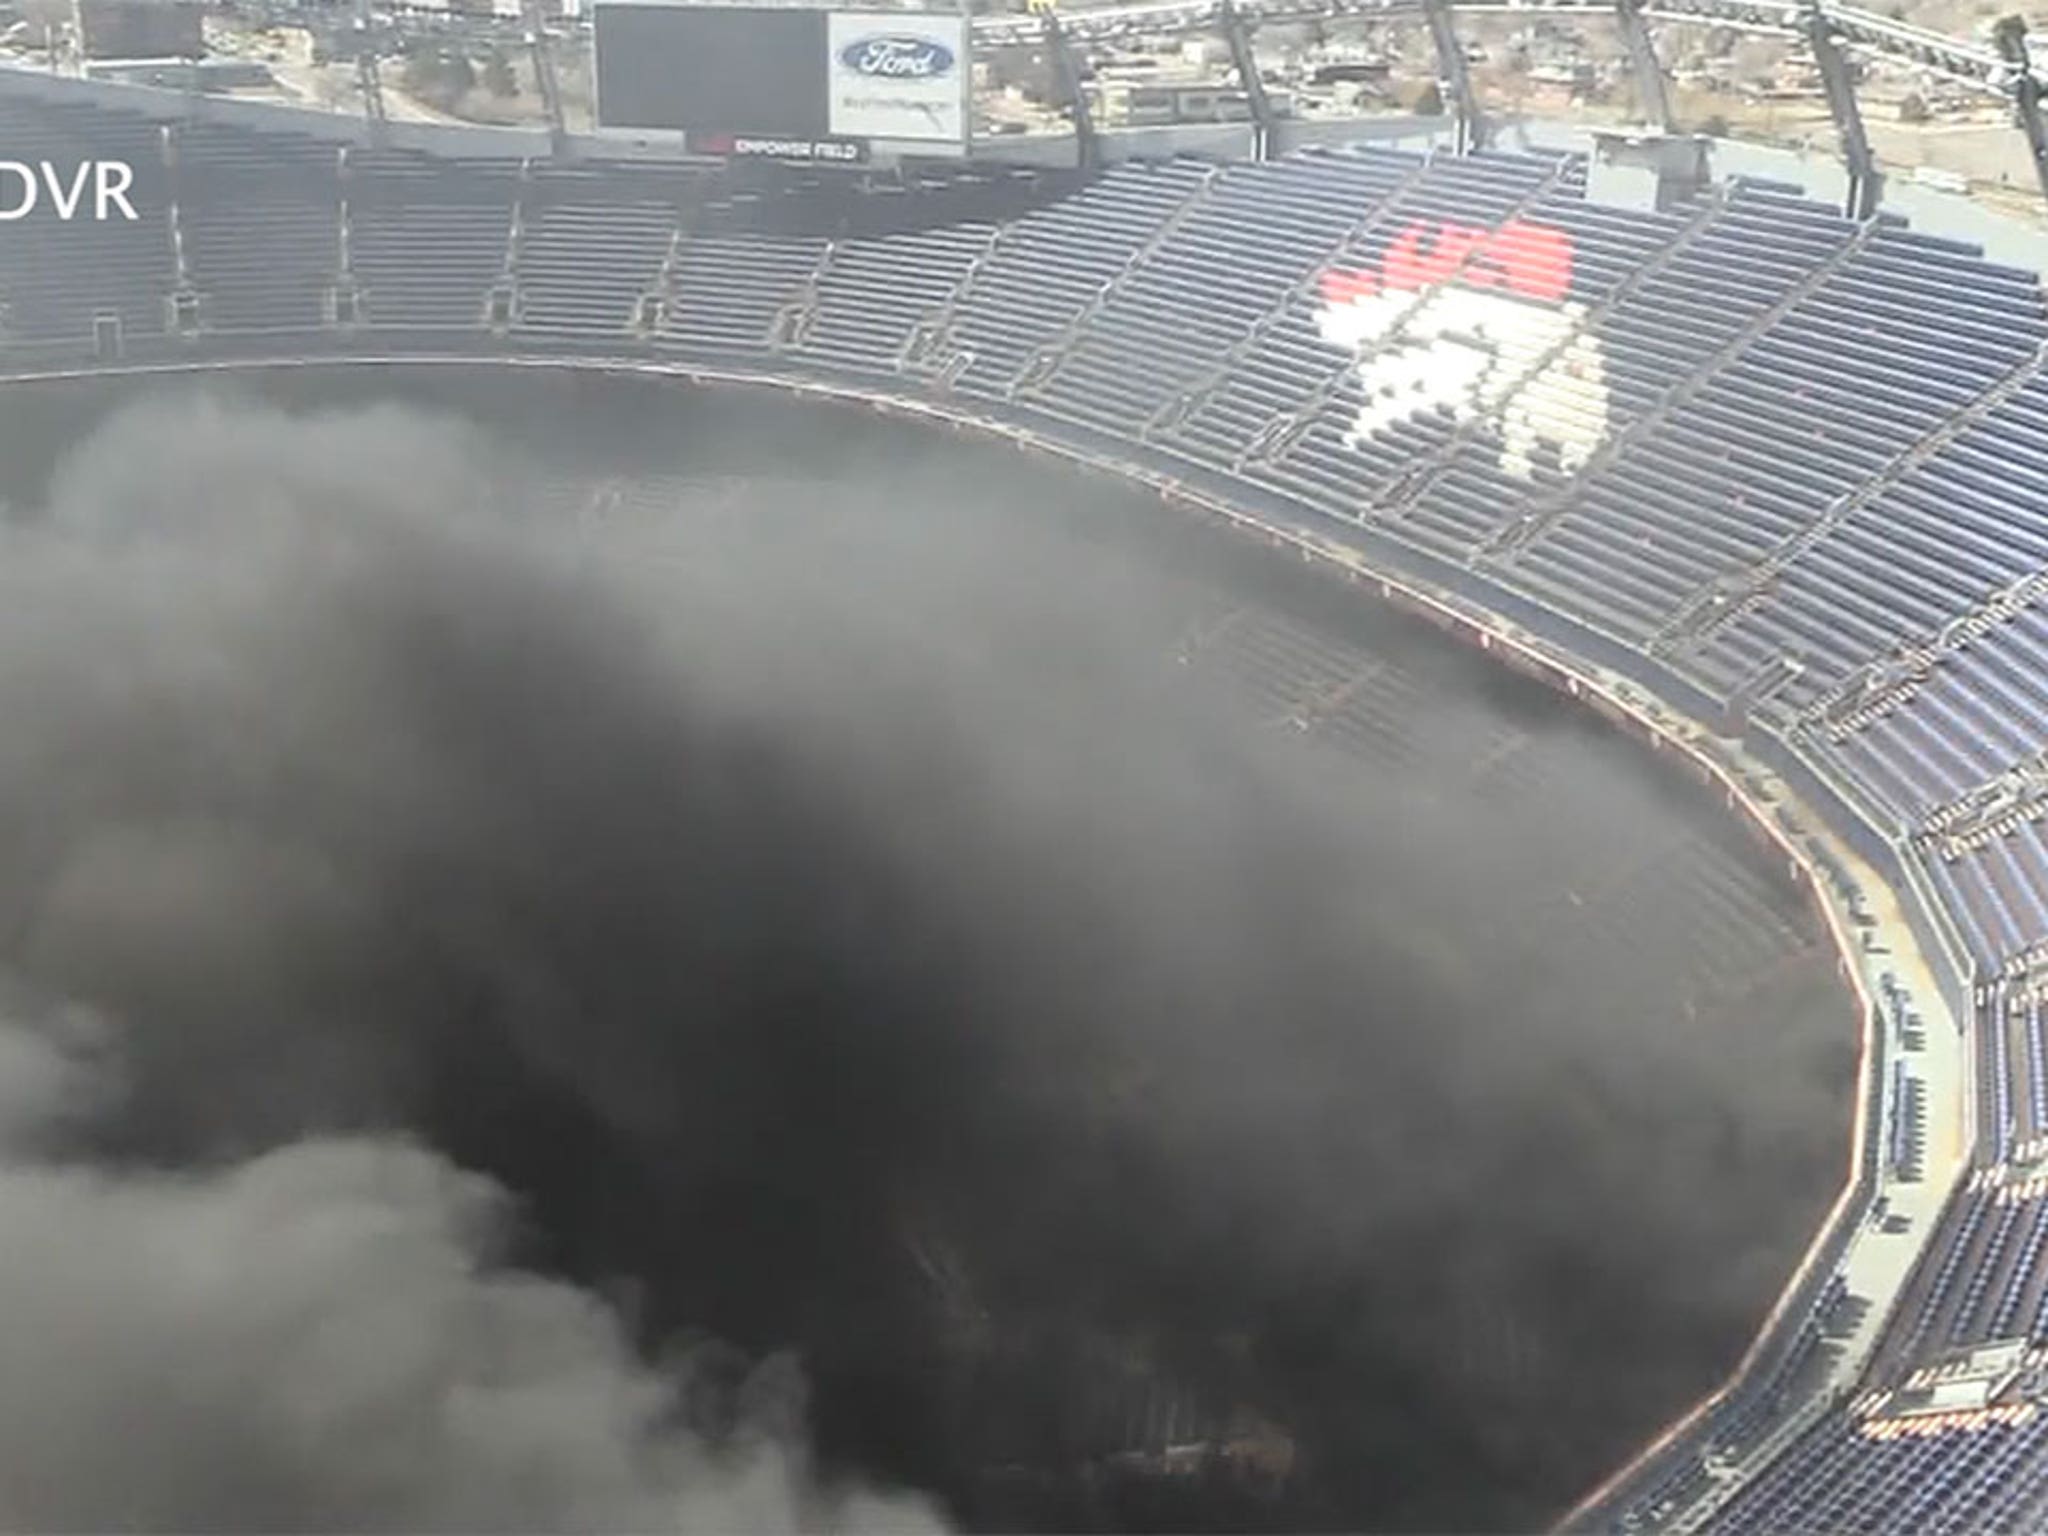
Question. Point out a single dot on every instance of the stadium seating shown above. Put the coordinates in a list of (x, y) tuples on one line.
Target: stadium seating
[(873, 296), (1049, 268), (261, 225), (56, 276), (1250, 234), (726, 291), (426, 241), (1959, 1473), (582, 267)]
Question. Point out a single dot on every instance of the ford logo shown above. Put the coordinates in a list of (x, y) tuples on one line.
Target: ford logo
[(897, 56)]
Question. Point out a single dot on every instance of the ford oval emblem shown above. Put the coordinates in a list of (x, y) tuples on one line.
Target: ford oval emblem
[(897, 56)]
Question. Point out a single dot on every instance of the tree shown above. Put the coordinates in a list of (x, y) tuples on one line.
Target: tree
[(438, 77), (498, 77)]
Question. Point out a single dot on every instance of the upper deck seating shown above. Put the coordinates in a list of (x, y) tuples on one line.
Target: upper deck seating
[(261, 217), (56, 274), (427, 239)]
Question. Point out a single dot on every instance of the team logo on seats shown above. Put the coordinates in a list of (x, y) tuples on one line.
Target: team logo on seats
[(1480, 324)]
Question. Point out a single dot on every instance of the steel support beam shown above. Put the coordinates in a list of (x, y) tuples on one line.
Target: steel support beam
[(366, 71), (1837, 29), (2010, 38), (1454, 80), (372, 87), (1087, 152), (1976, 66), (540, 48), (1238, 37), (1866, 182), (1651, 92)]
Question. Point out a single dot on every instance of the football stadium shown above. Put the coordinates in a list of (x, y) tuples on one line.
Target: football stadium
[(1273, 824)]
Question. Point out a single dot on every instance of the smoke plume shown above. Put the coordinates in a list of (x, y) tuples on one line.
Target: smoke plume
[(784, 1016)]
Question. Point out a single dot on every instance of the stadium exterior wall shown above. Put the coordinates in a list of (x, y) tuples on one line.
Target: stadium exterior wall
[(1577, 660)]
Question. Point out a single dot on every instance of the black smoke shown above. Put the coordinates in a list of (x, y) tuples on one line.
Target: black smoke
[(523, 1030)]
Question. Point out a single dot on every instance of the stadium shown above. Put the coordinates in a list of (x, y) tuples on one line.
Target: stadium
[(1746, 477)]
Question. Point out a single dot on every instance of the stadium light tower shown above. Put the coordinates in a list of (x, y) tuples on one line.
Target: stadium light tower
[(367, 79), (966, 78), (1649, 71), (541, 50), (1866, 182), (1469, 127), (1238, 38), (2010, 38), (1087, 151)]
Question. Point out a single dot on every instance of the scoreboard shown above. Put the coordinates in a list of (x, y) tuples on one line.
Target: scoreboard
[(796, 82)]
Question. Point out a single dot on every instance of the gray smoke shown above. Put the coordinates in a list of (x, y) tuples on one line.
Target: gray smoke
[(680, 1027), (310, 1340), (234, 1295)]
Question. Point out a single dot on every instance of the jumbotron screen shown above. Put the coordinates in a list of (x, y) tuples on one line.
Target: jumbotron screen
[(795, 75), (711, 69)]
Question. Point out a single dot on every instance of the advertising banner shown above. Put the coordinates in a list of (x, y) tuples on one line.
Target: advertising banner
[(897, 75), (742, 146)]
